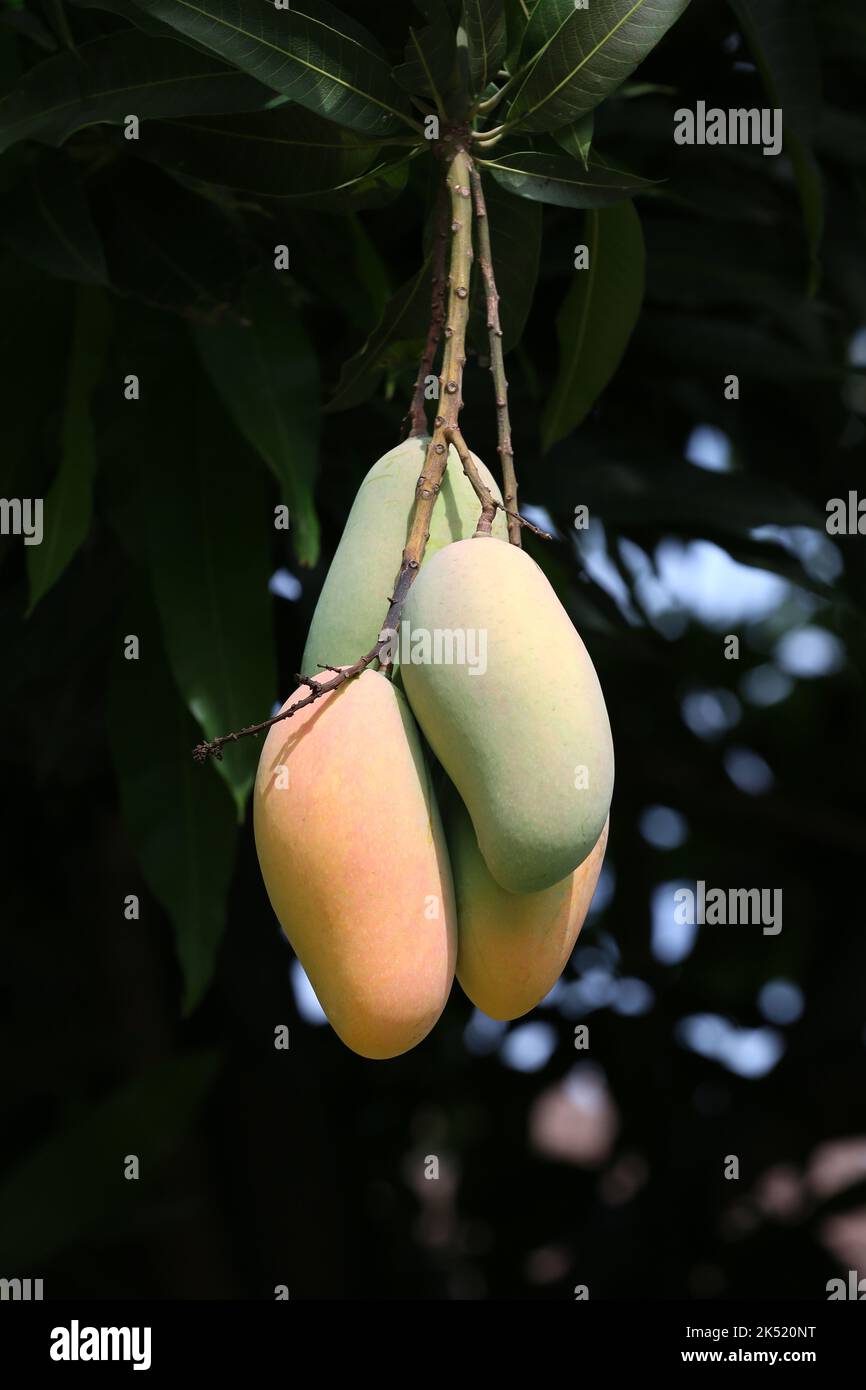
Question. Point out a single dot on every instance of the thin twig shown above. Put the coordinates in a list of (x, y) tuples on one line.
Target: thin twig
[(214, 748), (416, 417), (482, 492), (489, 504), (497, 362)]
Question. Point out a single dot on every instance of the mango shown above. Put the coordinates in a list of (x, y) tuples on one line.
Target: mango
[(354, 859), (513, 947), (509, 701), (354, 597)]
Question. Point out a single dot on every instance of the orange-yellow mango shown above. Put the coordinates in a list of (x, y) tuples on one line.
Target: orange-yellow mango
[(513, 947), (354, 860)]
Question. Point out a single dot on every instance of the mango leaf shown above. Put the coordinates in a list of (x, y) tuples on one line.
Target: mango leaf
[(405, 318), (46, 220), (266, 372), (430, 66), (209, 529), (311, 53), (68, 505), (516, 19), (597, 317), (115, 76), (132, 12), (278, 153), (576, 138), (484, 22), (585, 55), (545, 18), (179, 815), (73, 1186), (515, 240), (549, 178), (782, 40)]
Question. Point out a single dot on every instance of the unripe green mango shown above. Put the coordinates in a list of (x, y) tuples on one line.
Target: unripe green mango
[(513, 947), (354, 597), (354, 860), (526, 740)]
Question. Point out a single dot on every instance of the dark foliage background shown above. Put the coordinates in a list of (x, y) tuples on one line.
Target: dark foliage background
[(155, 1036)]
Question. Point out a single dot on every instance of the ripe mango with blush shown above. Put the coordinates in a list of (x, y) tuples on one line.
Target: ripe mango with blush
[(513, 947), (353, 855)]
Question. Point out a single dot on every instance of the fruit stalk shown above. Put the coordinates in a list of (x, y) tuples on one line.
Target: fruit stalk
[(497, 361), (417, 416), (458, 182)]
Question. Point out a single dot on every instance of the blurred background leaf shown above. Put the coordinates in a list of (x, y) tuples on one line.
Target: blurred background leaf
[(597, 317), (178, 815), (69, 501), (267, 374)]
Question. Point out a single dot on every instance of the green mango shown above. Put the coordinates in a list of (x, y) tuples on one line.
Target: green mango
[(354, 597), (513, 947), (509, 701)]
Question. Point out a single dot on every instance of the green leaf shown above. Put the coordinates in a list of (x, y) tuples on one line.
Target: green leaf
[(576, 138), (484, 22), (782, 40), (210, 530), (115, 76), (405, 318), (69, 502), (586, 55), (286, 152), (597, 317), (178, 813), (311, 53), (515, 242), (430, 67), (266, 372), (545, 18), (132, 12), (516, 20), (549, 178), (73, 1186), (46, 220)]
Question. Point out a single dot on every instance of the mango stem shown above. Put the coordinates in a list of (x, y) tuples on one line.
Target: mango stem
[(497, 361)]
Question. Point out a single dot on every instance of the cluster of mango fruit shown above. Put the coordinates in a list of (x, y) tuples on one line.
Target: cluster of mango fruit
[(382, 896)]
